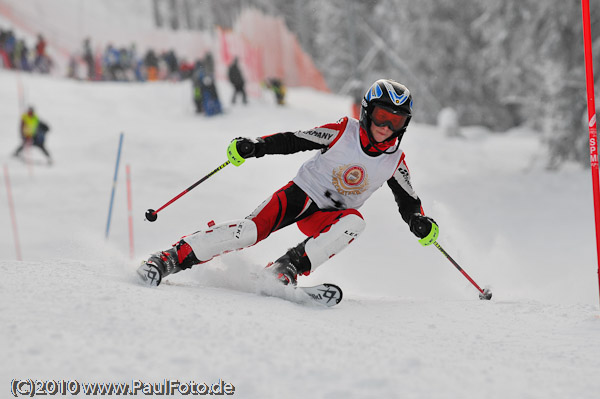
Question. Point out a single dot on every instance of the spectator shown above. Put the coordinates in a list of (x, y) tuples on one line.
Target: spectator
[(21, 56), (185, 69), (197, 84), (88, 58), (123, 65), (111, 62), (206, 97), (42, 62), (237, 80), (209, 64), (73, 70), (4, 61), (9, 47), (151, 64), (133, 61), (278, 88), (170, 60)]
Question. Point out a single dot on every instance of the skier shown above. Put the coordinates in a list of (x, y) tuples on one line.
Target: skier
[(356, 157), (33, 132)]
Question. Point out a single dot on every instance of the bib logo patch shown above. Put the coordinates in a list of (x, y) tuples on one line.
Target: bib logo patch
[(350, 179)]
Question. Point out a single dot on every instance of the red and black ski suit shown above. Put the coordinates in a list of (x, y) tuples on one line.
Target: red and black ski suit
[(291, 204)]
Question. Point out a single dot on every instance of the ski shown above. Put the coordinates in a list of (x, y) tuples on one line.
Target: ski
[(324, 294), (149, 274)]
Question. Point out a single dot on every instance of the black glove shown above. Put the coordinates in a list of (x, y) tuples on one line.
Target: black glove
[(421, 225), (248, 148)]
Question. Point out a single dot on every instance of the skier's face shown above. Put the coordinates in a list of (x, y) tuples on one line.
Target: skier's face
[(384, 123), (380, 133)]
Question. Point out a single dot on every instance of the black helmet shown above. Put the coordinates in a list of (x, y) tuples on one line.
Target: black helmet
[(393, 97)]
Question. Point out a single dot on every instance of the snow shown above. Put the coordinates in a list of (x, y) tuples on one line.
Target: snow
[(409, 326)]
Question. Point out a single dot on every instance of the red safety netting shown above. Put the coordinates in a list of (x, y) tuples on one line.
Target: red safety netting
[(267, 49)]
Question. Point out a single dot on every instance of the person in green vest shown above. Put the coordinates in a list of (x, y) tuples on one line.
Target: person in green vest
[(33, 132), (278, 88)]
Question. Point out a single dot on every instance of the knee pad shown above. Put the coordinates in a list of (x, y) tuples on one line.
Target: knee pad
[(221, 238), (334, 240)]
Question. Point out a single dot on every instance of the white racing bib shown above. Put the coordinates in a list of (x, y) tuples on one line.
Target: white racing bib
[(344, 177)]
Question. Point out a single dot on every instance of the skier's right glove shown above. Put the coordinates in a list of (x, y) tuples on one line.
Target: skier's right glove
[(425, 228), (243, 148)]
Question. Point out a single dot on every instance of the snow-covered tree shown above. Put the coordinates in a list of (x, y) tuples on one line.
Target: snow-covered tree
[(498, 63)]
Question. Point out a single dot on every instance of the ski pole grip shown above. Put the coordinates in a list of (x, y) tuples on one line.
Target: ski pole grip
[(431, 237), (233, 155)]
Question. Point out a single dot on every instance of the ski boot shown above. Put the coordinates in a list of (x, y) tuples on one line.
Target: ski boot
[(164, 263), (292, 263)]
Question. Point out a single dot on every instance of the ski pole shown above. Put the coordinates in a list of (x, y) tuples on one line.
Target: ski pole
[(151, 214), (483, 294)]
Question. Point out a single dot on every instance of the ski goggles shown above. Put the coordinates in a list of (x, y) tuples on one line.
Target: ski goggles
[(382, 117)]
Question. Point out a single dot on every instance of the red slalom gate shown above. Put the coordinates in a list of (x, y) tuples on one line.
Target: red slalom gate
[(129, 207), (13, 216), (591, 105)]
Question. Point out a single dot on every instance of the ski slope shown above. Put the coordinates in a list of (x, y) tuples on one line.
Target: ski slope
[(410, 325)]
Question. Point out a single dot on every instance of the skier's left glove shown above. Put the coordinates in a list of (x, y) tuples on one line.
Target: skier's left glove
[(243, 148), (424, 227)]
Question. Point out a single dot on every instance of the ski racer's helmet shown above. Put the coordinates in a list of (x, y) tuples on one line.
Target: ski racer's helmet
[(389, 103)]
